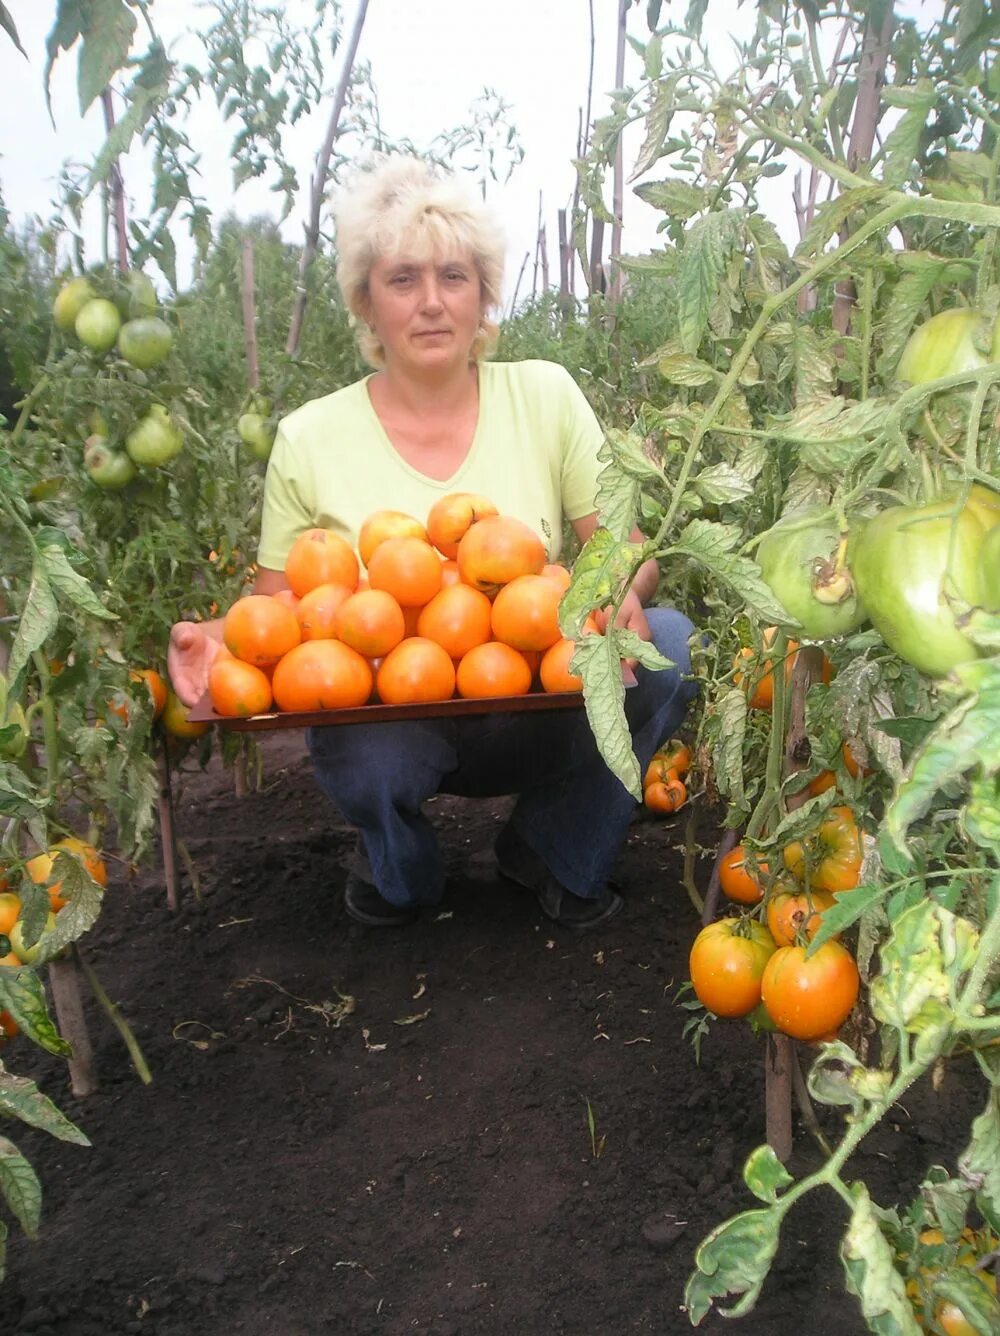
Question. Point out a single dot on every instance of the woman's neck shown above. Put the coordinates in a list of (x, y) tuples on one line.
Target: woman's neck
[(441, 396)]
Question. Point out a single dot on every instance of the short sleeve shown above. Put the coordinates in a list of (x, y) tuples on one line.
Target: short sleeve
[(286, 511)]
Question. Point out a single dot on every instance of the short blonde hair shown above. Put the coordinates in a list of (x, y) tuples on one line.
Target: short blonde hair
[(400, 205)]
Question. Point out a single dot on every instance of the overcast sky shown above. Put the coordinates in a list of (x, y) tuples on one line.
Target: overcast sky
[(430, 59)]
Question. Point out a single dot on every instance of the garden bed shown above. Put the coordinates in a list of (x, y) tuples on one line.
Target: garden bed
[(356, 1132)]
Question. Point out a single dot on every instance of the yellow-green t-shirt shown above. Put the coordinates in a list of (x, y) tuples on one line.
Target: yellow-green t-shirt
[(534, 454)]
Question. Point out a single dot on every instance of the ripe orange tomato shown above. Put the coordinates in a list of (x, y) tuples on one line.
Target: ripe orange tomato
[(667, 794), (832, 855), (496, 550), (738, 880), (810, 997), (790, 913), (727, 963)]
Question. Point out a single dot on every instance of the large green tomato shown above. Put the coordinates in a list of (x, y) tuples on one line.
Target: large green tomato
[(109, 468), (155, 440), (989, 560), (256, 434), (98, 324), (802, 559), (946, 344), (907, 561), (145, 342), (70, 301)]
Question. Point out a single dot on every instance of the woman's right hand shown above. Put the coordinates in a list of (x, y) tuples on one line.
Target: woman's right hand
[(190, 655)]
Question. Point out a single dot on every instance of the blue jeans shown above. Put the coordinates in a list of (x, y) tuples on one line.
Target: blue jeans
[(572, 812)]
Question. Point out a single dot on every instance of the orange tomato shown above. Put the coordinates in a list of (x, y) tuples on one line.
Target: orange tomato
[(451, 518), (384, 524), (320, 556), (493, 669), (259, 630), (526, 613), (321, 675), (738, 880), (407, 568), (417, 670), (238, 689), (458, 618), (496, 550), (371, 622), (553, 671)]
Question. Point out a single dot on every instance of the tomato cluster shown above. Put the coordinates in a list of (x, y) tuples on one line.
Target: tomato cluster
[(663, 787), (464, 604), (740, 966)]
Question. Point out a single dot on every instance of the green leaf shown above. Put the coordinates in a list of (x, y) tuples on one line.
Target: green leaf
[(107, 40), (903, 142), (847, 908), (141, 106), (720, 484), (928, 951), (7, 23), (599, 574), (21, 1098), (734, 1259), (838, 1077), (598, 662), (20, 1188), (962, 1287), (966, 739), (39, 618), (684, 369), (708, 246), (679, 199), (619, 482), (22, 995), (830, 217), (69, 24), (658, 119), (979, 1165), (728, 752), (711, 545), (922, 272), (869, 1265), (765, 1175), (70, 583)]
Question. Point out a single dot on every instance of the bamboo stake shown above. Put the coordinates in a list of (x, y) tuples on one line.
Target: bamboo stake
[(319, 183), (168, 843), (249, 295), (618, 188), (64, 982), (116, 188)]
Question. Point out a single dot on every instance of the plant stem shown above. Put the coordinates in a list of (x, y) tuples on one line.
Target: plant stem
[(116, 1019)]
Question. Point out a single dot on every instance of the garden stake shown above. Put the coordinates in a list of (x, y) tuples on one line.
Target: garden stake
[(168, 844), (726, 845), (64, 982)]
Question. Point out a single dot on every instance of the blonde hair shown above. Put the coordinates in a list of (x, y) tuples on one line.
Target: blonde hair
[(404, 205)]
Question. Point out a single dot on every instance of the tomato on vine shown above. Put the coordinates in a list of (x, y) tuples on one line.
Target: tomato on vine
[(804, 560), (727, 964), (809, 997), (831, 857), (740, 876)]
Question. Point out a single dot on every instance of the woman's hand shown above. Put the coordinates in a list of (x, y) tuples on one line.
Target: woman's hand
[(190, 655)]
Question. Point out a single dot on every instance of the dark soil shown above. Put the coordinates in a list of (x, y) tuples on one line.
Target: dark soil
[(354, 1131)]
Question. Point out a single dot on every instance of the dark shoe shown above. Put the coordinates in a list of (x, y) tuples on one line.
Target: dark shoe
[(364, 904), (519, 864)]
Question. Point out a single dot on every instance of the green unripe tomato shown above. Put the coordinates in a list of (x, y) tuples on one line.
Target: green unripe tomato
[(256, 434), (70, 301), (944, 345), (906, 562), (155, 440), (98, 324), (803, 560), (108, 468), (989, 560), (145, 342), (14, 746), (28, 954)]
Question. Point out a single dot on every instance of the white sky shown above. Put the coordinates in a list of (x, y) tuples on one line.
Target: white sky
[(430, 59)]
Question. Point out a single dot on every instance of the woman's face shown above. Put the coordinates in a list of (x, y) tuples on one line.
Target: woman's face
[(426, 313)]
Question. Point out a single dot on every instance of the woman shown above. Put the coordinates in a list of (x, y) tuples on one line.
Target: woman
[(420, 267)]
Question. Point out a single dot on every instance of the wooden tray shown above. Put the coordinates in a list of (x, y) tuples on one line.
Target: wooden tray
[(373, 714)]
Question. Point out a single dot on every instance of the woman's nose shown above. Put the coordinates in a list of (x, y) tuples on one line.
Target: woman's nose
[(431, 293)]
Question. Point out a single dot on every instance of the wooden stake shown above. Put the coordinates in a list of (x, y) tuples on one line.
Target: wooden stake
[(64, 982), (618, 196), (778, 1094), (168, 843), (116, 189)]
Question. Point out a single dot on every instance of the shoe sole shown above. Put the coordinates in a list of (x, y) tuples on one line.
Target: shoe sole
[(362, 916), (614, 906)]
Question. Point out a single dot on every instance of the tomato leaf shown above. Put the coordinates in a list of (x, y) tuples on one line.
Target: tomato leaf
[(728, 753), (599, 574), (765, 1175), (658, 117), (903, 141), (734, 1259), (65, 580), (21, 994), (619, 484), (838, 1077), (961, 1286), (847, 908), (679, 199), (107, 37), (70, 18), (829, 218), (869, 1265), (20, 1188), (7, 23), (927, 951), (720, 484), (84, 896), (708, 245), (21, 1098), (979, 1164), (711, 545), (598, 661), (39, 618)]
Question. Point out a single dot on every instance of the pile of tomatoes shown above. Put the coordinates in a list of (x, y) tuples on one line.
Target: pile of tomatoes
[(663, 787), (760, 965), (463, 604)]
